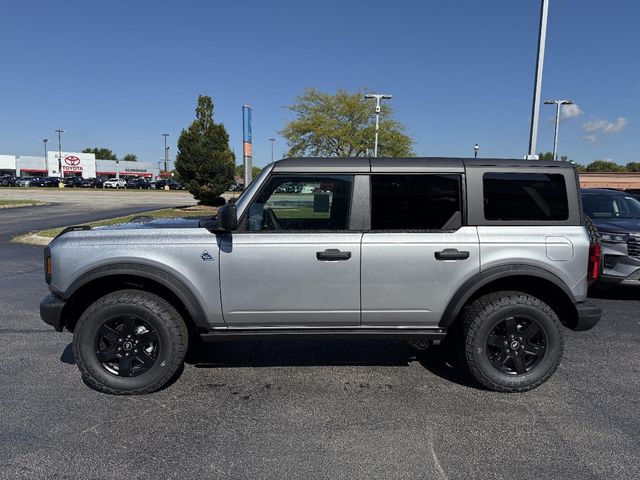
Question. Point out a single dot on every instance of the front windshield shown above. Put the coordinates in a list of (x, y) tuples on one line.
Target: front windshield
[(610, 206)]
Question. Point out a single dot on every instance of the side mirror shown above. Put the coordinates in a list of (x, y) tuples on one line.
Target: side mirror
[(228, 217)]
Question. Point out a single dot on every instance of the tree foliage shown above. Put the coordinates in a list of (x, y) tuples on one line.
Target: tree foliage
[(204, 161), (130, 157), (343, 125), (549, 156), (254, 171), (101, 153), (605, 166)]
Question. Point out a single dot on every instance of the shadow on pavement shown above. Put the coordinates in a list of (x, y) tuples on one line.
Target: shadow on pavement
[(615, 292), (441, 360)]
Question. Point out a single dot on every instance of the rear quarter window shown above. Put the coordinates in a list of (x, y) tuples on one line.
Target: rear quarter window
[(525, 196)]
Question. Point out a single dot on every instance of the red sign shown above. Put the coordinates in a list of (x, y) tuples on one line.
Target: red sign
[(71, 160)]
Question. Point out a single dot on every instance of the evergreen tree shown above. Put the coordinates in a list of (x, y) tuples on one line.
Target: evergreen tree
[(204, 162)]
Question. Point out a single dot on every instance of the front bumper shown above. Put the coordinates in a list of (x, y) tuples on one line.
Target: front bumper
[(51, 311), (588, 315)]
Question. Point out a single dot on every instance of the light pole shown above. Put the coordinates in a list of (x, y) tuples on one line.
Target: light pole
[(558, 104), (273, 141), (60, 174), (378, 97), (165, 135), (46, 160), (475, 150), (535, 110)]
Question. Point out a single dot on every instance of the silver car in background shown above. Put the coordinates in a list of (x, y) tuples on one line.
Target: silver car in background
[(616, 214)]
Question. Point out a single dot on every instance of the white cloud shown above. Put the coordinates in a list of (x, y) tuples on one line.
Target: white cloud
[(590, 138), (616, 126), (594, 125), (570, 111), (605, 126)]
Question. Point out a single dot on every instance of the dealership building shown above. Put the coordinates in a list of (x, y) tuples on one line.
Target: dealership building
[(74, 164)]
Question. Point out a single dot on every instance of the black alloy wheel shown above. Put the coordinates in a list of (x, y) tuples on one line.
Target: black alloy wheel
[(516, 345), (127, 346)]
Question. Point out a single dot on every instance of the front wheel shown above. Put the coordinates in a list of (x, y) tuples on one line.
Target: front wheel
[(129, 342), (513, 341)]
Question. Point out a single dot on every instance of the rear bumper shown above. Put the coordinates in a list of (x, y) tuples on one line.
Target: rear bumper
[(51, 311), (588, 315)]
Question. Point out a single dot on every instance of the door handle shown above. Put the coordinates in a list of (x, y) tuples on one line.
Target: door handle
[(333, 254), (451, 254)]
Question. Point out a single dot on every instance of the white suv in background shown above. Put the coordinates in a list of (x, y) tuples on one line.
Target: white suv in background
[(115, 183)]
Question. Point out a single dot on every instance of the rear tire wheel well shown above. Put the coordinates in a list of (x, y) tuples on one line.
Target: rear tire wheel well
[(545, 290)]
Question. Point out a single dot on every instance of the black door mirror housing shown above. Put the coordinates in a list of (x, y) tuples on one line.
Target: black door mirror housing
[(228, 217)]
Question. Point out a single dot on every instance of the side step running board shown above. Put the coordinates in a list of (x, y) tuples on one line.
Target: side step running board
[(324, 334)]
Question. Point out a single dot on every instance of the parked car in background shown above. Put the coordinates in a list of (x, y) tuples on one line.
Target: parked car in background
[(173, 185), (139, 183), (616, 214), (7, 180), (236, 187), (80, 182), (115, 183), (25, 181), (72, 182)]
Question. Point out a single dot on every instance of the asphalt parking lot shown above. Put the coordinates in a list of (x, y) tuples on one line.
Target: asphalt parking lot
[(334, 410)]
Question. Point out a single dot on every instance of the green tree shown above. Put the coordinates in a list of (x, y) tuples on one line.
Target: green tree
[(633, 167), (204, 162), (549, 156), (605, 166), (343, 125), (101, 153), (254, 171), (130, 157)]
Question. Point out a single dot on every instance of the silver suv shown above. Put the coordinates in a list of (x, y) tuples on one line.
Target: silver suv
[(491, 252), (616, 215)]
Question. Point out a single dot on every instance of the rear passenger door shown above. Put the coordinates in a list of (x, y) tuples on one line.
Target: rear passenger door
[(417, 253)]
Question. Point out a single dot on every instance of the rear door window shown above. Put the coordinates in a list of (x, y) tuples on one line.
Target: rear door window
[(525, 196), (416, 202)]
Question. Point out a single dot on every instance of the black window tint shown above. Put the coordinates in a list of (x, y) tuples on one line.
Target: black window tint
[(319, 202), (415, 202), (525, 196)]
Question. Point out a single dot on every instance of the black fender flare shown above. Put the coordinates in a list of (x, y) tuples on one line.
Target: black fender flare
[(471, 286), (158, 275)]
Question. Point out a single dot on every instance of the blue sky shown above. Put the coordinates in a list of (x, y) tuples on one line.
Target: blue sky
[(118, 74)]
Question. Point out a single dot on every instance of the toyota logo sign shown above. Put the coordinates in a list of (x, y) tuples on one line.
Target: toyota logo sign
[(71, 160)]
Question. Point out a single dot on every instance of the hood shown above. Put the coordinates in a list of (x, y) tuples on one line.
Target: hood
[(617, 225), (140, 223)]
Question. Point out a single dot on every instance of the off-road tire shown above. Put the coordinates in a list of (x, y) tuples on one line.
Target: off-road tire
[(592, 230), (166, 323), (484, 314)]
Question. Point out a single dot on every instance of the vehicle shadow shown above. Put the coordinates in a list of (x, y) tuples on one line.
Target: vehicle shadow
[(441, 360), (615, 292)]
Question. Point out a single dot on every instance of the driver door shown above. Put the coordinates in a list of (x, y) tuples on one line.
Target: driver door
[(293, 261)]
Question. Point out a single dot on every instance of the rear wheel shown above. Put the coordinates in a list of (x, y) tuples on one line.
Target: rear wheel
[(513, 341), (129, 342)]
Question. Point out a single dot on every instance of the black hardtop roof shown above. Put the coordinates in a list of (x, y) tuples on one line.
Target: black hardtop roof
[(405, 164)]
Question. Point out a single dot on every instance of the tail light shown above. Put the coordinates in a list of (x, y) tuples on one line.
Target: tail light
[(595, 253)]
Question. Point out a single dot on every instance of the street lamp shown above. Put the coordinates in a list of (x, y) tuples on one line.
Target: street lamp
[(60, 174), (378, 97), (475, 150), (558, 104), (273, 141), (46, 161), (537, 84), (166, 151)]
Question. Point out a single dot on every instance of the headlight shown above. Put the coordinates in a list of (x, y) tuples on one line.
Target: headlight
[(614, 237)]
